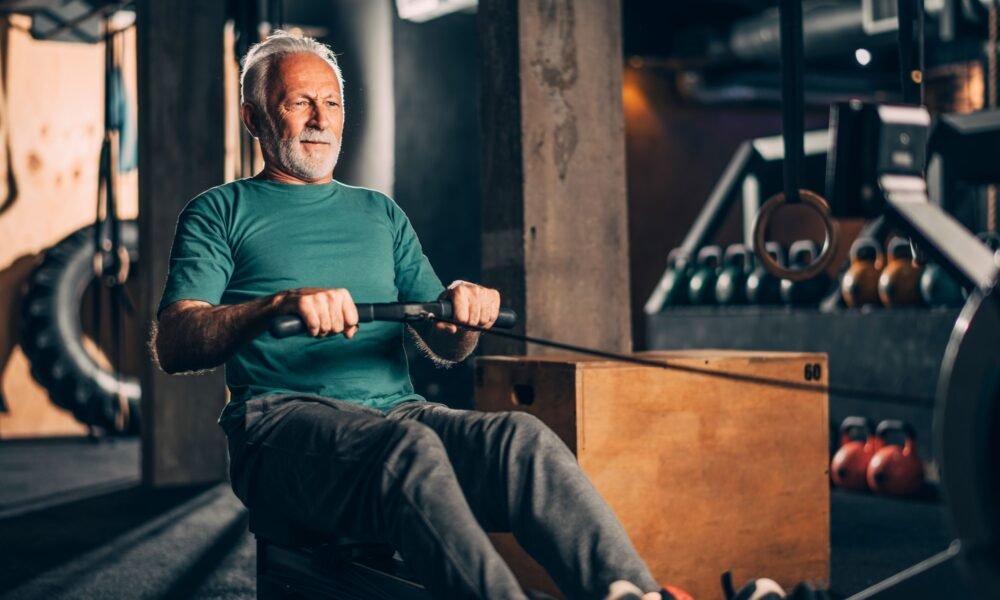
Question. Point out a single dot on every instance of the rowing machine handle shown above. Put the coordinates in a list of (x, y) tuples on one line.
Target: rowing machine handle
[(289, 325)]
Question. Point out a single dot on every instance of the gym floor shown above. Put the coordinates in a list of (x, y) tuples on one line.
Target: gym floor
[(76, 524)]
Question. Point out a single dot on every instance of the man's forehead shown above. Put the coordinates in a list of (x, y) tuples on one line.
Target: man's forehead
[(304, 70)]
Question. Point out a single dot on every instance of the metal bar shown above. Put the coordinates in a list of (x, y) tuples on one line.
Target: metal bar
[(720, 200), (711, 215), (946, 240), (96, 13), (937, 576)]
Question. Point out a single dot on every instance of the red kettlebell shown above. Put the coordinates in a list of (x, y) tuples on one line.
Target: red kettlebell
[(896, 470), (849, 467)]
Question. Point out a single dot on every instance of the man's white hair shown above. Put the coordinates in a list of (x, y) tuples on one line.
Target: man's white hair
[(261, 56)]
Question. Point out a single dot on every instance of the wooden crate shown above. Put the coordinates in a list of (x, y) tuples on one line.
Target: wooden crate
[(707, 474)]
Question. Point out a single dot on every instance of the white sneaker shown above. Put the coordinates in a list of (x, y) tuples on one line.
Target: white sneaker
[(626, 590)]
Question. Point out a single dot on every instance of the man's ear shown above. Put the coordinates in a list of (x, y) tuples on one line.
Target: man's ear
[(251, 119)]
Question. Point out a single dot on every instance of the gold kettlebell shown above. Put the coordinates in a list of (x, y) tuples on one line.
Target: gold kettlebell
[(899, 284), (859, 286)]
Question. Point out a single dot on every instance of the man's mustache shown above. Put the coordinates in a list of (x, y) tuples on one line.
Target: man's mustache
[(323, 137)]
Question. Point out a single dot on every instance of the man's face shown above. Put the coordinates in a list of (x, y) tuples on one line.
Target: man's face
[(304, 118)]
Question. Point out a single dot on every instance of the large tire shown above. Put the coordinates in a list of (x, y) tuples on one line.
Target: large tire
[(52, 335)]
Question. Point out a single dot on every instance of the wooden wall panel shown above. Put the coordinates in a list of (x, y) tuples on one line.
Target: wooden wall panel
[(54, 113)]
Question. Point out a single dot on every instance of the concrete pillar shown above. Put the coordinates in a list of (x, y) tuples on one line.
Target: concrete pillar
[(555, 236), (181, 154)]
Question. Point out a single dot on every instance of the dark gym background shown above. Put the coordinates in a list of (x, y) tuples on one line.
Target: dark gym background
[(72, 516)]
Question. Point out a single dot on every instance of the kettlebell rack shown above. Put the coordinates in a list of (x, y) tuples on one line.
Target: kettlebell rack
[(753, 173)]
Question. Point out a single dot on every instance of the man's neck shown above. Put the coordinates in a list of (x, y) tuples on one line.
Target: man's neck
[(271, 172)]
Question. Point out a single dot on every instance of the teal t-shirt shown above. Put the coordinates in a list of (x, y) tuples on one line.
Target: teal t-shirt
[(252, 238)]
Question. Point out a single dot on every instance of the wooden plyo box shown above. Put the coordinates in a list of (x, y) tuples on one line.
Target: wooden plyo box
[(707, 474)]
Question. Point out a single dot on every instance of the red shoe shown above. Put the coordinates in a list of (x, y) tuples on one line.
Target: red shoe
[(670, 592)]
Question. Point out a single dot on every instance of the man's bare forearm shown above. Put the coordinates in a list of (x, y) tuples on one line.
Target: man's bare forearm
[(193, 336)]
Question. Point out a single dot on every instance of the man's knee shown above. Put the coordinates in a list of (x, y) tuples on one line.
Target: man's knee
[(415, 441), (529, 432)]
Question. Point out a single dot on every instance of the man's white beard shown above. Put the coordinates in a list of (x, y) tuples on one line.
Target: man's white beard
[(293, 159)]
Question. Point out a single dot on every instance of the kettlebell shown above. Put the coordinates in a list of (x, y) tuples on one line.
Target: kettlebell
[(810, 291), (701, 287), (849, 467), (731, 285), (939, 288), (676, 279), (859, 285), (896, 470), (762, 286), (899, 283)]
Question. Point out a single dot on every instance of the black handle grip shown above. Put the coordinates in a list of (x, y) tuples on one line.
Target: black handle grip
[(852, 424), (895, 425), (506, 318), (289, 325), (286, 326)]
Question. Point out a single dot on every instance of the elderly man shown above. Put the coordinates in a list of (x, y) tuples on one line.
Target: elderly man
[(326, 429)]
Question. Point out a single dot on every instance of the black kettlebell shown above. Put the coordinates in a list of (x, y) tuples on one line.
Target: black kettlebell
[(800, 293), (938, 288), (675, 282), (731, 285), (762, 286), (701, 288)]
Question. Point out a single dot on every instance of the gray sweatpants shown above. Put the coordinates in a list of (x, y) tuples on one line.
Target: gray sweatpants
[(431, 480)]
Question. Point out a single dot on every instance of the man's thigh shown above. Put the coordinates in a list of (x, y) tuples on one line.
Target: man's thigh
[(314, 462), (481, 448)]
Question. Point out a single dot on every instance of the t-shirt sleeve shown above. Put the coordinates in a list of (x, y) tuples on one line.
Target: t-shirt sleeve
[(201, 259), (416, 280)]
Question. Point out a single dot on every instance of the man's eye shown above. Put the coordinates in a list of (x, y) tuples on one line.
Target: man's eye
[(332, 104)]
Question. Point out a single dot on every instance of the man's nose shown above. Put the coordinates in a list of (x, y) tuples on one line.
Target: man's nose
[(321, 117)]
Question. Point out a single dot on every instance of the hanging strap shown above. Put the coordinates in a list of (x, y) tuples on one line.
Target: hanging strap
[(911, 59), (792, 95), (111, 259)]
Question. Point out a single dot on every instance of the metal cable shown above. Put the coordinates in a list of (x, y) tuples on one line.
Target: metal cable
[(665, 364)]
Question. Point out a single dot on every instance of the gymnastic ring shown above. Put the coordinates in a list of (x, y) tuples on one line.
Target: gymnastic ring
[(763, 218)]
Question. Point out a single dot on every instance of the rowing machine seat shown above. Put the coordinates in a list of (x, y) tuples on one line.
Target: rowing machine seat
[(294, 561)]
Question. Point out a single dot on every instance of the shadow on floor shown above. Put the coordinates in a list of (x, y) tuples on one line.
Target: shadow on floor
[(36, 542), (39, 473), (875, 537)]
